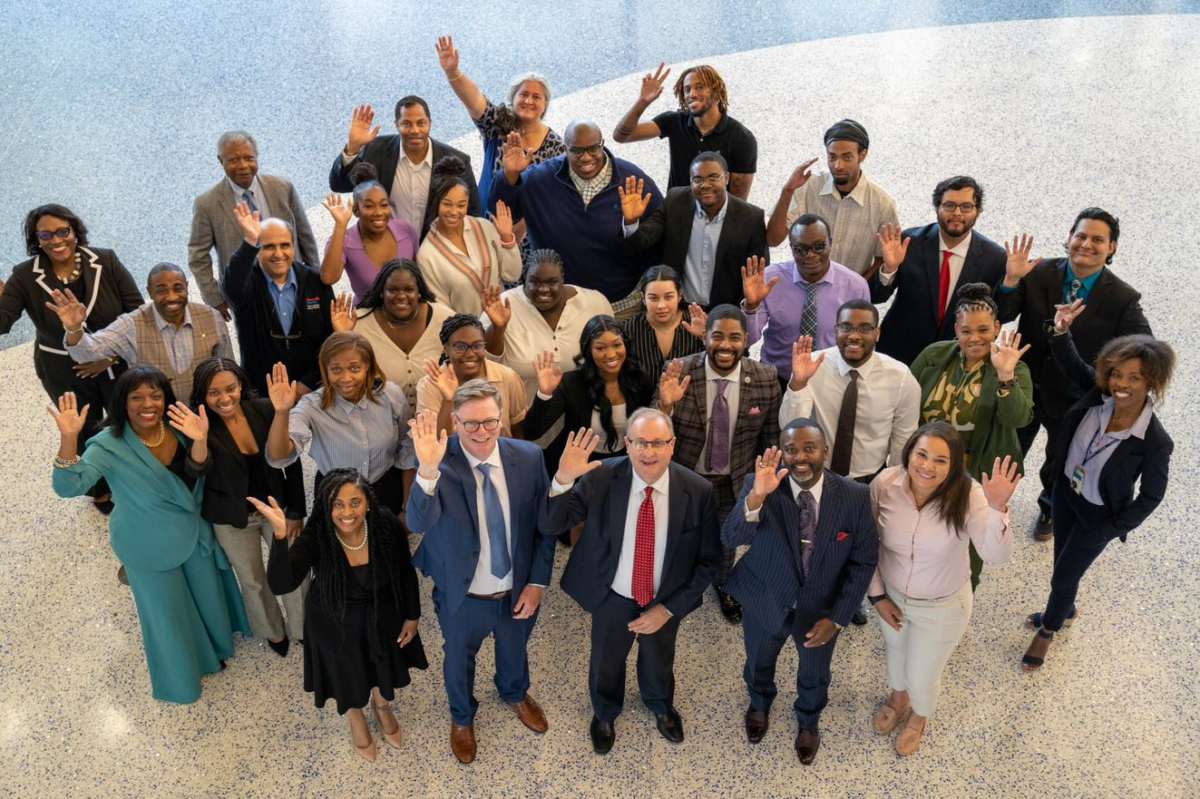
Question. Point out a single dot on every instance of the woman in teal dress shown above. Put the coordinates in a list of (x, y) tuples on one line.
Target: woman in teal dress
[(188, 601)]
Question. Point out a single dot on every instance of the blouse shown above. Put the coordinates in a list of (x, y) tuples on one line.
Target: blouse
[(493, 135), (405, 369), (457, 279), (919, 555), (620, 421), (512, 395), (359, 267), (1092, 446), (642, 342)]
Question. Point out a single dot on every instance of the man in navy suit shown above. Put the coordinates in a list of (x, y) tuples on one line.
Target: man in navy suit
[(477, 500), (649, 547), (813, 551), (926, 265)]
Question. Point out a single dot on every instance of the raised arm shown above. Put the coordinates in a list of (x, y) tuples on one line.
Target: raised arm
[(1062, 347), (334, 261), (777, 226), (470, 95), (281, 450), (631, 128)]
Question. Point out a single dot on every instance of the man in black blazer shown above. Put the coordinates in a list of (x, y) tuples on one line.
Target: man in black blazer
[(813, 550), (1032, 289), (926, 265), (407, 178), (705, 232), (649, 547)]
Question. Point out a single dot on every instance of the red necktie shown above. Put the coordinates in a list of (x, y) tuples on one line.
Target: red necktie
[(944, 287), (643, 552)]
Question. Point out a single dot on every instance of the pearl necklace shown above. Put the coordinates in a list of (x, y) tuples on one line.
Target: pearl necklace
[(162, 433), (347, 546)]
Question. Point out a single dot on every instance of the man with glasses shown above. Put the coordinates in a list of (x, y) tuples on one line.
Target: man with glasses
[(924, 266), (571, 205), (705, 232), (799, 298), (649, 547)]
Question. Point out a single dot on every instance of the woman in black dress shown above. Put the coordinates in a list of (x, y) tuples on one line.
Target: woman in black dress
[(360, 620), (62, 260)]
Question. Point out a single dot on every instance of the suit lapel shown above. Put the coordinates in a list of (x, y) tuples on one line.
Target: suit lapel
[(92, 271), (676, 508), (228, 201), (387, 166), (700, 391), (1054, 288), (456, 461), (933, 257), (273, 191), (225, 439), (618, 505), (681, 227), (829, 515), (171, 485), (789, 511)]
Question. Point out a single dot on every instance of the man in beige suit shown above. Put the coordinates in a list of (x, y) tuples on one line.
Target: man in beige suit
[(213, 222)]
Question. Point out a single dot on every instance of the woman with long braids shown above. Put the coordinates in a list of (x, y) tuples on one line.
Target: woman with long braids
[(361, 614)]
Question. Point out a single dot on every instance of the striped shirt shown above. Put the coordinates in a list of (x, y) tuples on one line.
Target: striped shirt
[(120, 339), (642, 343), (854, 220)]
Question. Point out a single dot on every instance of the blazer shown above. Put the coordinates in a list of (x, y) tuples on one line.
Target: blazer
[(449, 519), (214, 225), (383, 153), (1113, 310), (768, 580), (1148, 458), (753, 432), (743, 234), (600, 499), (227, 484), (911, 323), (572, 403)]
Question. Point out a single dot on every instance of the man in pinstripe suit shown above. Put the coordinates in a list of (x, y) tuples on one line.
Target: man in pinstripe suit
[(813, 549)]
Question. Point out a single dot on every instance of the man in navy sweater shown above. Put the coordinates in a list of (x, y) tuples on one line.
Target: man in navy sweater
[(571, 204)]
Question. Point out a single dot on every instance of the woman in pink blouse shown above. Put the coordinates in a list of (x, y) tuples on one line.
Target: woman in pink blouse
[(928, 511)]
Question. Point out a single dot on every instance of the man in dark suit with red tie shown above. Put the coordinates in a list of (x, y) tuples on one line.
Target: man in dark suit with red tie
[(649, 547), (813, 549)]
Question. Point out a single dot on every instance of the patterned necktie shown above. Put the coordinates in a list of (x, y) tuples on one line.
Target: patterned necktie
[(716, 459), (1074, 290), (808, 317), (843, 443), (643, 552), (248, 198), (944, 287), (493, 511), (808, 530)]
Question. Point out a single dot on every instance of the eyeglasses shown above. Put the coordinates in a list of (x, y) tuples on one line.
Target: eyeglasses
[(802, 250), (593, 151), (966, 208), (641, 444), (712, 180), (862, 330), (473, 426), (460, 348), (61, 233)]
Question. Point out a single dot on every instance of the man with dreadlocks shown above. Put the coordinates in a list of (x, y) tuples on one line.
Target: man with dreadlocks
[(701, 124)]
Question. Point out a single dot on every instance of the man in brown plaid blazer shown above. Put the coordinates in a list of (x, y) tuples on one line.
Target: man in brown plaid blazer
[(725, 408)]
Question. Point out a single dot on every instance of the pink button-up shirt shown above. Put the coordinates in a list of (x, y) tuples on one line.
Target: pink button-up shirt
[(919, 554)]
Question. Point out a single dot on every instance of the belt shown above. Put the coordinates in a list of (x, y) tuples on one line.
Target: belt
[(500, 595)]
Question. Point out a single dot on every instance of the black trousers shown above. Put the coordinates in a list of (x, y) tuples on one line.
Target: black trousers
[(724, 498), (611, 642), (1077, 543), (812, 675), (388, 489), (1025, 436)]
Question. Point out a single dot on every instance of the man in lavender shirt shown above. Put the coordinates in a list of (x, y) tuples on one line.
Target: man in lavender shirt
[(788, 300)]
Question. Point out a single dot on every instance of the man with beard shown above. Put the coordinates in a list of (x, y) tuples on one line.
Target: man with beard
[(726, 411), (924, 266)]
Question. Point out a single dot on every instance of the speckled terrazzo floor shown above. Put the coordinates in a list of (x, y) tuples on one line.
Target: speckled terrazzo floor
[(1050, 116)]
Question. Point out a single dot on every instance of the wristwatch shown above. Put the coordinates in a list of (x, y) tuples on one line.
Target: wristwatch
[(874, 599)]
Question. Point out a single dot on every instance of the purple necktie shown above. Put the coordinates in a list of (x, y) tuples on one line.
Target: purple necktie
[(717, 458), (808, 530)]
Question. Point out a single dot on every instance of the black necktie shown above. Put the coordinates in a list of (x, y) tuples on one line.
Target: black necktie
[(843, 442)]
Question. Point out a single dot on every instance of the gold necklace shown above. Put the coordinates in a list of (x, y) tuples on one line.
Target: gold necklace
[(162, 433)]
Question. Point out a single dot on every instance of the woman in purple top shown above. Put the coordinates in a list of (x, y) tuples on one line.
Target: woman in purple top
[(362, 250)]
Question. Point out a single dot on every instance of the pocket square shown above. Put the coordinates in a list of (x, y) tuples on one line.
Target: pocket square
[(755, 411), (842, 536)]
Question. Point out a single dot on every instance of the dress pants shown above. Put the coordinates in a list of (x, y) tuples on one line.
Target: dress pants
[(1026, 435), (464, 631), (243, 547), (1077, 543), (724, 498), (812, 675), (611, 642), (918, 652)]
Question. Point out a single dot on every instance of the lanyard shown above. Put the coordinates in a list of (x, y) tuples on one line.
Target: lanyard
[(1089, 455)]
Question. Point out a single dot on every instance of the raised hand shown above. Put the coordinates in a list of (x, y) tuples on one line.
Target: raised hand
[(273, 514), (70, 310), (192, 425), (894, 248), (447, 54), (633, 202), (1019, 264), (68, 417), (361, 132), (1006, 354), (800, 176), (1000, 485), (672, 386), (342, 313), (753, 281), (251, 222), (498, 308), (549, 373), (443, 378), (652, 85), (804, 366), (699, 321), (341, 211), (1064, 315), (429, 442), (516, 158), (575, 462), (281, 392), (503, 221), (767, 474)]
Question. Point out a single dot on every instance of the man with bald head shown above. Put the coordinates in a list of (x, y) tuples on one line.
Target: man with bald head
[(282, 308), (571, 205)]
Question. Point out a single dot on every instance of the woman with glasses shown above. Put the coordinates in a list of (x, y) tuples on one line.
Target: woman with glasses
[(62, 261), (666, 328), (464, 357)]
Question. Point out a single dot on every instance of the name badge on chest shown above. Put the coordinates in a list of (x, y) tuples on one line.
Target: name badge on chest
[(1077, 480)]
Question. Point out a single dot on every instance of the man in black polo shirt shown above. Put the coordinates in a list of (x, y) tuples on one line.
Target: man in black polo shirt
[(701, 124)]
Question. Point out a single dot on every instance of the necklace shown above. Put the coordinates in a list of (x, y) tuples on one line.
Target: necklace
[(75, 273), (362, 544), (162, 433), (401, 323)]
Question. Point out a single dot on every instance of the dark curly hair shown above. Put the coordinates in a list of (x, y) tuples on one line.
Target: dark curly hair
[(52, 209), (975, 297), (453, 325), (203, 376), (374, 295), (364, 177), (631, 378), (137, 377)]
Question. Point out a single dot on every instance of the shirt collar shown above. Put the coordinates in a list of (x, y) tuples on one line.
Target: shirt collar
[(799, 280), (959, 249), (720, 217), (1139, 427), (815, 490), (709, 374), (426, 161), (255, 188), (491, 460), (844, 368), (290, 283), (858, 194), (1088, 282), (163, 324), (661, 486), (722, 123)]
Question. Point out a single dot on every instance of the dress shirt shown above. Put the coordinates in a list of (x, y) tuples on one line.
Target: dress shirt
[(512, 395), (590, 188), (358, 266), (120, 339), (405, 369), (854, 220), (919, 554), (409, 192), (784, 309), (283, 297), (1091, 438), (889, 407), (733, 393), (660, 497), (701, 255), (958, 255), (260, 198), (755, 515), (371, 437)]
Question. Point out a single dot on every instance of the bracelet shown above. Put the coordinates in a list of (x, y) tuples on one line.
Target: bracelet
[(1006, 385), (746, 310), (459, 76), (65, 463), (71, 332), (508, 245), (874, 599)]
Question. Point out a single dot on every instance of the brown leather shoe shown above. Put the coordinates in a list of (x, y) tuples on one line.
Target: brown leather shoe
[(531, 715), (807, 744), (462, 742), (757, 723)]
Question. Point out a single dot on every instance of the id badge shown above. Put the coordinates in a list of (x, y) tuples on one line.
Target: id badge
[(1077, 480)]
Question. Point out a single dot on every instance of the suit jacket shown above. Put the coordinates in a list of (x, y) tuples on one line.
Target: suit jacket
[(214, 225), (449, 519), (1113, 309), (601, 497), (1149, 457), (384, 154), (911, 323), (768, 580), (753, 432), (743, 233)]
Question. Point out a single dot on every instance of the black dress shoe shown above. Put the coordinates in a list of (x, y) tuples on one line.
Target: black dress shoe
[(105, 507), (807, 744), (730, 608), (603, 734), (1043, 530), (280, 647), (122, 576), (859, 618), (670, 725), (757, 722)]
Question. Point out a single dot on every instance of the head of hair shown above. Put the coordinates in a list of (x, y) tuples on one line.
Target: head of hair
[(958, 183), (165, 266), (374, 296), (447, 173), (518, 81), (136, 377), (1157, 357), (646, 412), (545, 255), (335, 345), (804, 220), (275, 221), (408, 101), (477, 389), (662, 272), (803, 423), (848, 130), (209, 368), (975, 297), (712, 79), (364, 177), (456, 323), (1099, 215), (631, 379), (52, 209), (858, 305), (235, 137), (725, 311), (710, 155), (952, 499)]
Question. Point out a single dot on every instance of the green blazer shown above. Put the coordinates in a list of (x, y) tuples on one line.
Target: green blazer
[(997, 419)]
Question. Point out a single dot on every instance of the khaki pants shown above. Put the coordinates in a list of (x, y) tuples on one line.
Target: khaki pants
[(917, 654), (243, 547)]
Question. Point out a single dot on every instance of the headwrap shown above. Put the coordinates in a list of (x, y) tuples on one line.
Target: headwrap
[(848, 130)]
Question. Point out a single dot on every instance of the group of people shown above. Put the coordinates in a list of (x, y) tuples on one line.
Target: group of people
[(556, 350)]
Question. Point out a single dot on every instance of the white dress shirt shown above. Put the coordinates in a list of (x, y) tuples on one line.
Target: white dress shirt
[(733, 393), (889, 407), (958, 255), (256, 191), (623, 580), (409, 192)]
